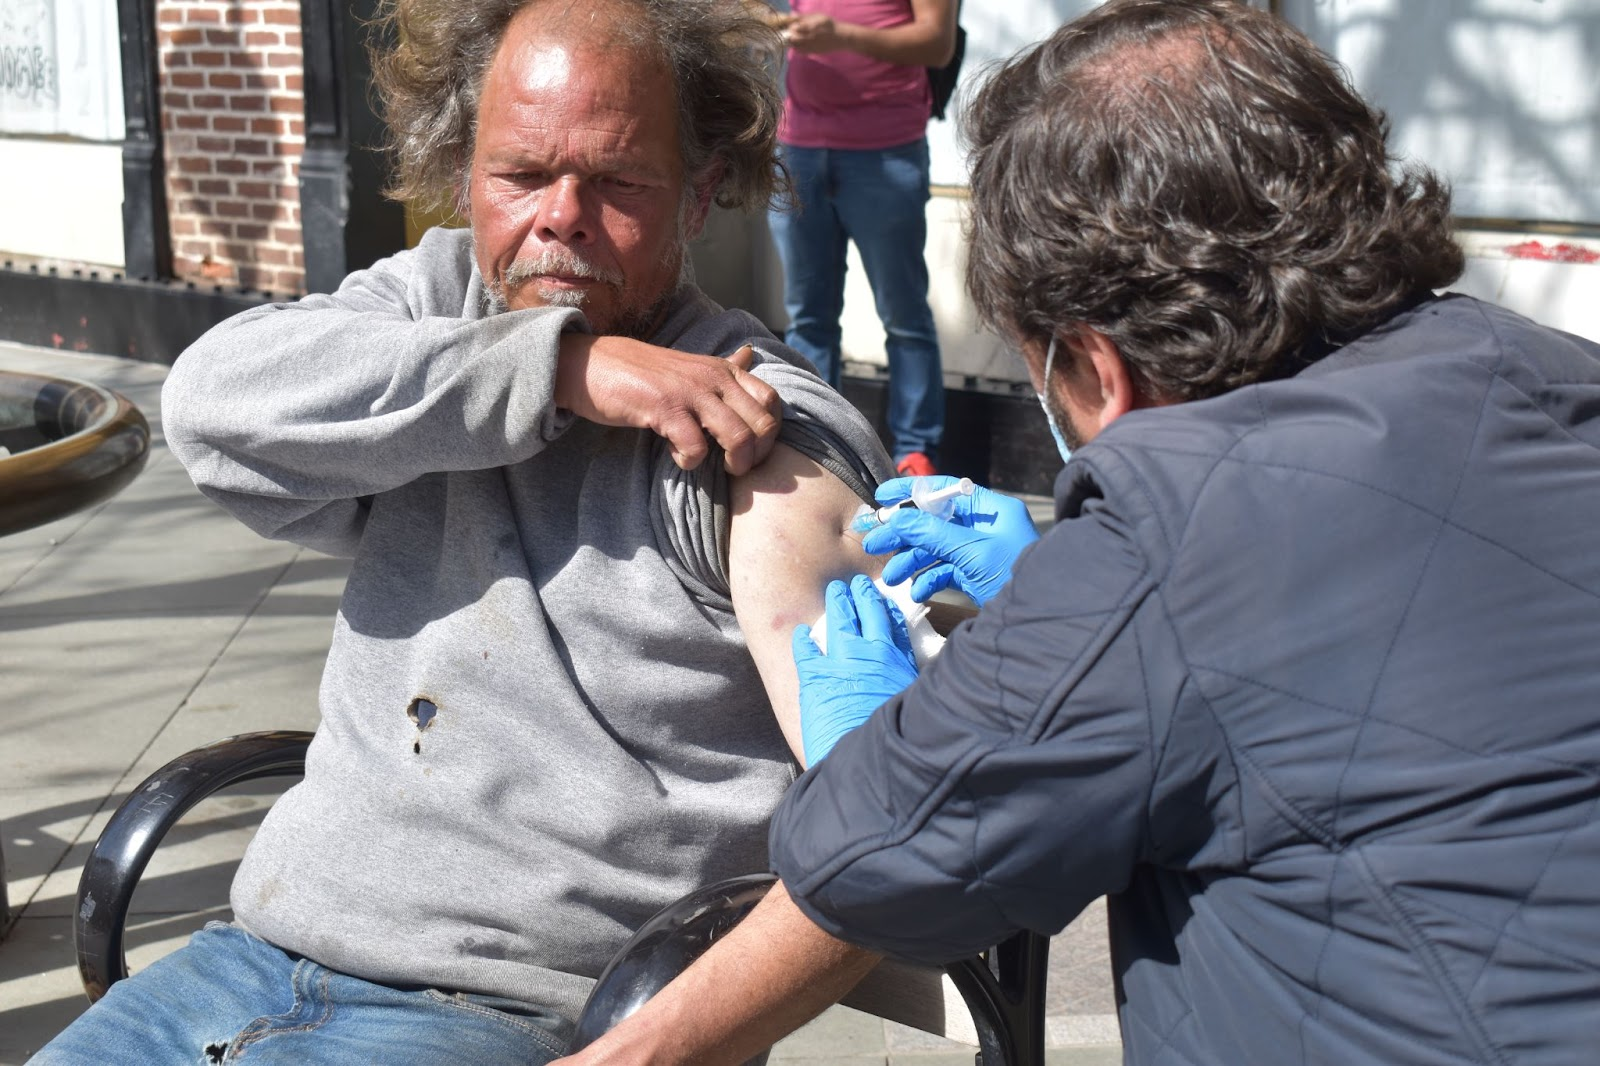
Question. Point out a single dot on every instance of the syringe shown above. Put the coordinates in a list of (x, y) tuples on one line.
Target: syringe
[(869, 518)]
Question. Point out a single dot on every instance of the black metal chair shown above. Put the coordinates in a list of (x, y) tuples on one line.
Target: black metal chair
[(1003, 989), (125, 847)]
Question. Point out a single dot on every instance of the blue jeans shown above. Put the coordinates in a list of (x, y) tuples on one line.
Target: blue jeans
[(879, 200), (228, 996)]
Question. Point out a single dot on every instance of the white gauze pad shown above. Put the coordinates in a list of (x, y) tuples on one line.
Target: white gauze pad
[(925, 642)]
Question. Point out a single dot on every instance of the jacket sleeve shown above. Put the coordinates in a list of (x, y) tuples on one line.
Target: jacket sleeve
[(1008, 787), (291, 415)]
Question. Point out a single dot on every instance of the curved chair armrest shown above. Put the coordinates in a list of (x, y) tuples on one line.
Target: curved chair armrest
[(120, 855), (662, 948), (1004, 989)]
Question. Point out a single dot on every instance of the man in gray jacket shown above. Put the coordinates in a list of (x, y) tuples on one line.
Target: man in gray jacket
[(559, 688)]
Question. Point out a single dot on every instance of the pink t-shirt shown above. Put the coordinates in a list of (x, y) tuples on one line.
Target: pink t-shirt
[(845, 100)]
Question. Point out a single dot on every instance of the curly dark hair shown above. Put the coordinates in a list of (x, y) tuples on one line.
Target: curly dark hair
[(1199, 182), (430, 57)]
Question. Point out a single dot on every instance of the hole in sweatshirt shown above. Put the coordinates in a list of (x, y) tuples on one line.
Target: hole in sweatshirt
[(215, 1052), (422, 712)]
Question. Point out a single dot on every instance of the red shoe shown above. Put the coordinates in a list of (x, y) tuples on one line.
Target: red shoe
[(916, 464)]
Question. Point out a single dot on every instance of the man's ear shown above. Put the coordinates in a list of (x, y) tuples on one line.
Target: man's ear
[(1100, 381), (705, 190)]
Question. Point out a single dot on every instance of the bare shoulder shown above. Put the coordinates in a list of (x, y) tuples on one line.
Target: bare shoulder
[(787, 542), (790, 511)]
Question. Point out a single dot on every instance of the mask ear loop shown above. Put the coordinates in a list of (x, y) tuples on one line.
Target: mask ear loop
[(1055, 428)]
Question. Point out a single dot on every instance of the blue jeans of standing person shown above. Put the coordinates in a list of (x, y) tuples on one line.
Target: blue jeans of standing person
[(229, 996), (879, 200)]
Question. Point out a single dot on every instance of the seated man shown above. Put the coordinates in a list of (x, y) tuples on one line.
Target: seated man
[(541, 717)]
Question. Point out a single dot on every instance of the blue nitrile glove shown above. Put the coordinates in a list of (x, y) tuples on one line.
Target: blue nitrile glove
[(974, 549), (868, 660)]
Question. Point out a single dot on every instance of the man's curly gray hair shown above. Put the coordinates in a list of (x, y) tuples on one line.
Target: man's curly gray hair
[(430, 57)]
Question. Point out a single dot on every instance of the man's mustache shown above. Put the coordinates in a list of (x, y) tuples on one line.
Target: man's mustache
[(560, 263)]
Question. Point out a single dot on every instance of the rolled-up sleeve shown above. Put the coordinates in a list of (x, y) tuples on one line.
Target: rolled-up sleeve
[(1009, 786)]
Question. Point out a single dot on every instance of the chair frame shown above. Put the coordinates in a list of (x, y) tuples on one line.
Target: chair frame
[(128, 841)]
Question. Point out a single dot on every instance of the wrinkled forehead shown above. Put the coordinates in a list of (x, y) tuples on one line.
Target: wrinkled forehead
[(557, 50), (619, 33), (556, 88)]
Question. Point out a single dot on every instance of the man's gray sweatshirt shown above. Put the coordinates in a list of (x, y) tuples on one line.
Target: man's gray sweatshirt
[(554, 590)]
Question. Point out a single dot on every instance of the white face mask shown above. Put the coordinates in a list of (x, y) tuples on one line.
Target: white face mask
[(1055, 428)]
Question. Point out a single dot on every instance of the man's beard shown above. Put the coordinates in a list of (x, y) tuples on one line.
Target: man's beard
[(633, 321), (1069, 429)]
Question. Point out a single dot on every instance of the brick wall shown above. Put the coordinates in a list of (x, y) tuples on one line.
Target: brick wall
[(234, 118)]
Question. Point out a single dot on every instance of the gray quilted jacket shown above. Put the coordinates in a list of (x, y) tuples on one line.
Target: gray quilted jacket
[(1307, 681)]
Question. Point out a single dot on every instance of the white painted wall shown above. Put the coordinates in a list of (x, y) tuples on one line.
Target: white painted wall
[(61, 200), (60, 69), (1500, 96)]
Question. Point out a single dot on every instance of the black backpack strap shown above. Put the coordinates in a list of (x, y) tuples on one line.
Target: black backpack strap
[(942, 80)]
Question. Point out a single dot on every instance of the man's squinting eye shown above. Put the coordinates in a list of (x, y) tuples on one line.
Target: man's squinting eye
[(623, 183), (512, 176)]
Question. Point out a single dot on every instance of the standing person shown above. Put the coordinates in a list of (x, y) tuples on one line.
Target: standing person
[(854, 139), (1304, 677)]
